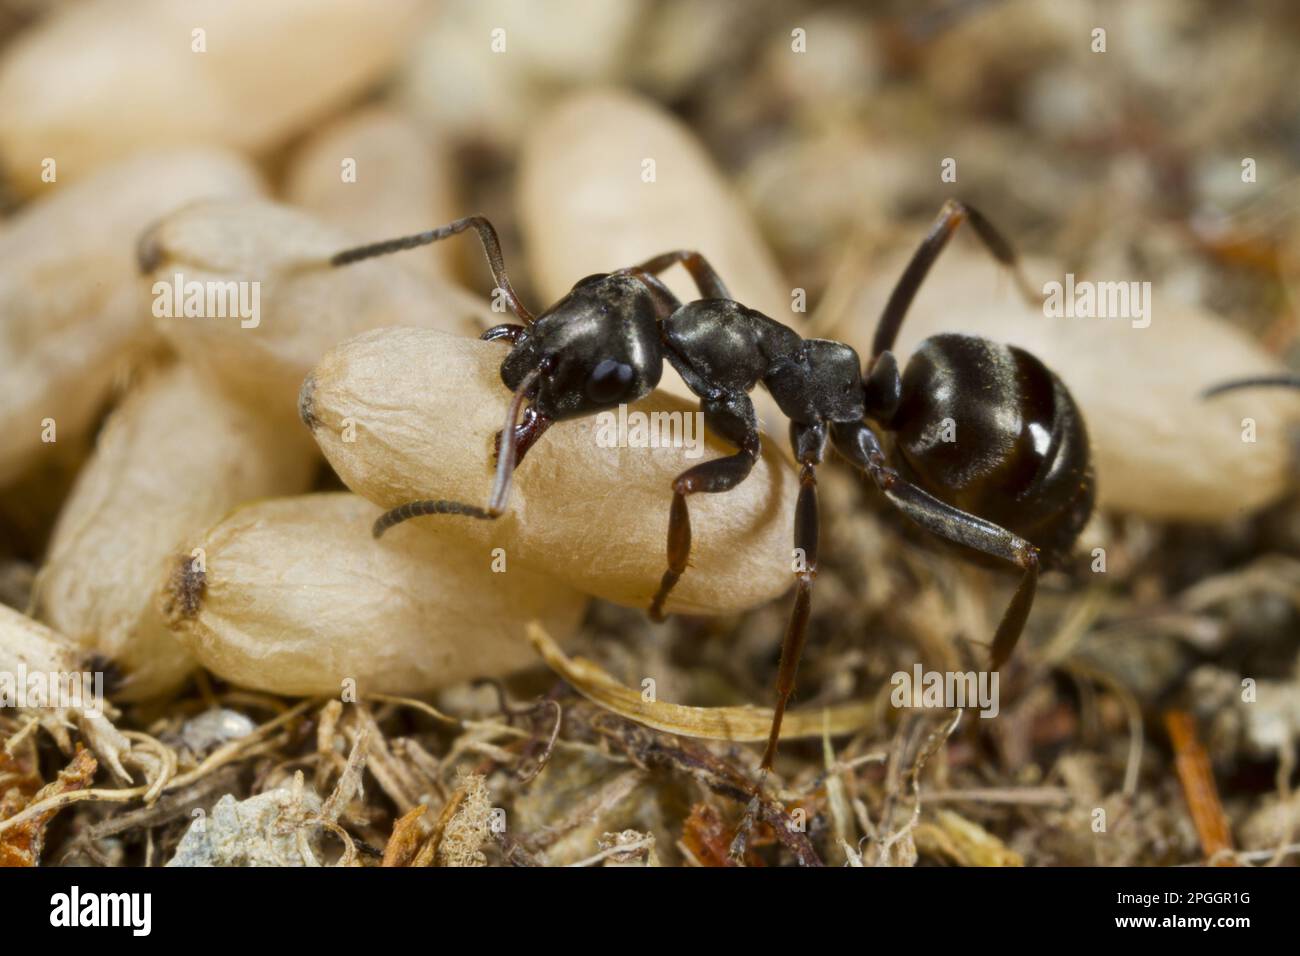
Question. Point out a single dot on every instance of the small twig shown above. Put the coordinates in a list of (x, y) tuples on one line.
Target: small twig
[(1133, 714), (217, 758), (1025, 796), (1197, 777), (618, 850), (1285, 767), (650, 749)]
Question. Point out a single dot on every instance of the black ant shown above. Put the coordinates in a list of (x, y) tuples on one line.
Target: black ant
[(1018, 487)]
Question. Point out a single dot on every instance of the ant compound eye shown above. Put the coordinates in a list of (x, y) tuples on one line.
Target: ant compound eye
[(609, 380)]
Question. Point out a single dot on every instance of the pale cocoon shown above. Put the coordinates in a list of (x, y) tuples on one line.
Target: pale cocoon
[(409, 413), (298, 598), (279, 257), (505, 61), (239, 73), (70, 302), (376, 174), (609, 179), (1160, 449), (587, 202), (174, 458)]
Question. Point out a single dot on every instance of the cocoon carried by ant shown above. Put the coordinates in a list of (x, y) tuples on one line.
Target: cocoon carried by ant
[(240, 73), (376, 173), (174, 458), (296, 597), (246, 291), (406, 414), (71, 308), (1160, 448)]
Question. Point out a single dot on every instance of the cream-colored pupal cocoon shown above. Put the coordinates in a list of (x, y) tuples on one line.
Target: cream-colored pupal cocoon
[(406, 413), (481, 71), (377, 174), (239, 73), (70, 301), (298, 598), (281, 305), (174, 458), (609, 179), (1161, 450)]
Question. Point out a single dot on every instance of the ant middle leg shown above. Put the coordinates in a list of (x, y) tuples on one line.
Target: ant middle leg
[(952, 215), (731, 417), (487, 236), (809, 442), (857, 443)]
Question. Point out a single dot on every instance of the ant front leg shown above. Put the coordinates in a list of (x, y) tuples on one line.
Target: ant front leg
[(535, 423), (952, 215), (706, 277), (857, 443), (808, 441), (511, 333), (527, 432), (487, 236), (732, 418), (507, 459), (665, 302)]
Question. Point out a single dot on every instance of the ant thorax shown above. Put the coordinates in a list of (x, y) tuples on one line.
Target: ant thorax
[(725, 346)]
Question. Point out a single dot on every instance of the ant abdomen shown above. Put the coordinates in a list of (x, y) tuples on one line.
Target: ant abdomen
[(989, 429)]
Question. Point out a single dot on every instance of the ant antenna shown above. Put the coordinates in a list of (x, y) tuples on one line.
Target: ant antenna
[(506, 459), (1259, 381), (486, 234)]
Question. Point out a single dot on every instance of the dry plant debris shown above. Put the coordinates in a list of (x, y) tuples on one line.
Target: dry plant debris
[(185, 501)]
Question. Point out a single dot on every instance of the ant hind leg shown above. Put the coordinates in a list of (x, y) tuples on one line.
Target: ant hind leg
[(857, 443), (952, 215)]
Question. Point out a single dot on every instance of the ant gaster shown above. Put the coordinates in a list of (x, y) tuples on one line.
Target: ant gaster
[(1017, 487)]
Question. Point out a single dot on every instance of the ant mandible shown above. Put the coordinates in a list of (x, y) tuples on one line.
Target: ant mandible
[(1017, 488)]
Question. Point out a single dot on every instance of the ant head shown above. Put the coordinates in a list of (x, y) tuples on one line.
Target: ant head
[(596, 348)]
